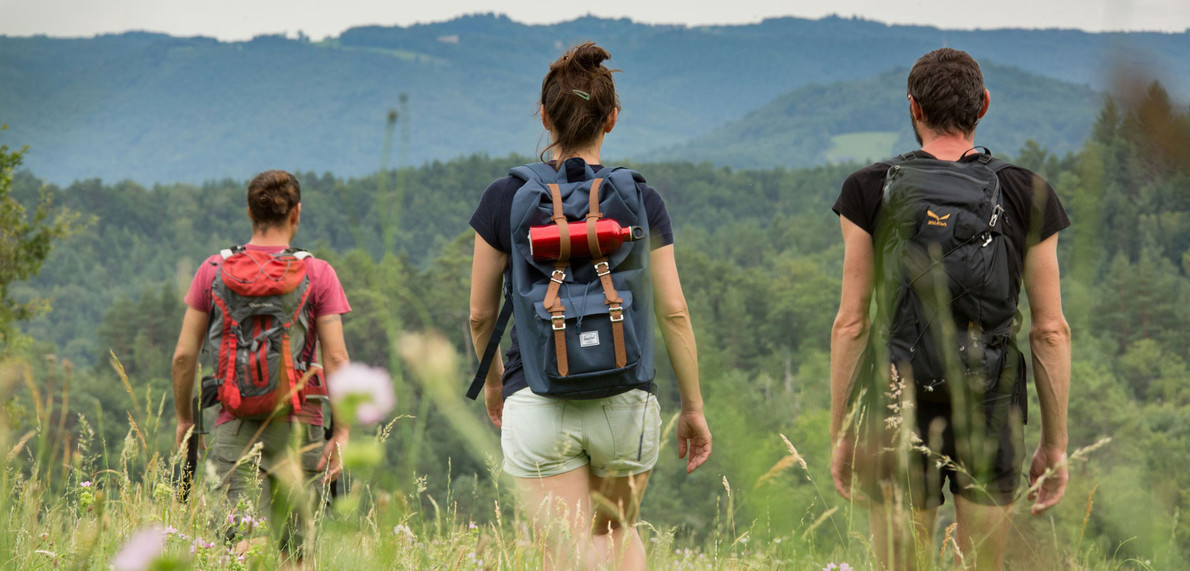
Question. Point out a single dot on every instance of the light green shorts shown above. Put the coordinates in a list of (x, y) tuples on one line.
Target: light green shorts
[(615, 436)]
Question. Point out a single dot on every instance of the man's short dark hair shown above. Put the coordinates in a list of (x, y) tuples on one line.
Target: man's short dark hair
[(948, 85)]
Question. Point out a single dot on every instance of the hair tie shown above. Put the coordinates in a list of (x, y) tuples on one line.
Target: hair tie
[(583, 94)]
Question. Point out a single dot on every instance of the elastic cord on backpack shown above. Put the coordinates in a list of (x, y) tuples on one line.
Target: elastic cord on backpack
[(581, 311)]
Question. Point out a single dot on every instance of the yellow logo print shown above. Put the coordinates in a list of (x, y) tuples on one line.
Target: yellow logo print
[(936, 220)]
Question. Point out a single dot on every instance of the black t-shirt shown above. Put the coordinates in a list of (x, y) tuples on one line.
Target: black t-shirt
[(1032, 211), (492, 220)]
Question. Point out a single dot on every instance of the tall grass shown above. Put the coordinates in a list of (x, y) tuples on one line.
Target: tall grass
[(70, 500)]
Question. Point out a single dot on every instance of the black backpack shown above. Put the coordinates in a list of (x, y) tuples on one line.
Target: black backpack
[(946, 302)]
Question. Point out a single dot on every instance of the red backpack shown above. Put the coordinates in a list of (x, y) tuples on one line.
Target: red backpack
[(258, 331)]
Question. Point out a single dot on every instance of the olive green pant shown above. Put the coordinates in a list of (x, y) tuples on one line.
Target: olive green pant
[(279, 477)]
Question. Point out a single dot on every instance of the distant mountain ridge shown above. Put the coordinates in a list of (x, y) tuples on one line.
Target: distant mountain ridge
[(159, 108)]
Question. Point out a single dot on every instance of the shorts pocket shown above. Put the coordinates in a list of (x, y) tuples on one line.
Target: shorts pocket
[(635, 429), (531, 436)]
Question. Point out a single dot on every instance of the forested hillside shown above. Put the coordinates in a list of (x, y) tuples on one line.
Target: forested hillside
[(868, 120), (154, 108), (760, 257)]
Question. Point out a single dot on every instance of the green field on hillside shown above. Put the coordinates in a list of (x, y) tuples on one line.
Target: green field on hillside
[(861, 147)]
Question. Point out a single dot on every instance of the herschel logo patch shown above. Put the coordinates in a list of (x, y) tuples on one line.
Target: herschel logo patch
[(936, 220), (588, 339)]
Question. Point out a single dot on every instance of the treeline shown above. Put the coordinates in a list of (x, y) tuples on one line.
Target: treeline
[(760, 257)]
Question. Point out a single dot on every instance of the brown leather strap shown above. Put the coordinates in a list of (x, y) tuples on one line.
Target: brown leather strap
[(593, 216), (553, 304), (560, 343), (615, 310), (559, 218)]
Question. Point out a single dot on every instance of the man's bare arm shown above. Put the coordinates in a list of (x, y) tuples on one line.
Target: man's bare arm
[(1049, 339), (184, 365), (849, 334), (334, 357)]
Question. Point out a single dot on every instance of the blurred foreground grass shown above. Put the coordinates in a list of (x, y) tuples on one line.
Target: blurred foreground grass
[(70, 500)]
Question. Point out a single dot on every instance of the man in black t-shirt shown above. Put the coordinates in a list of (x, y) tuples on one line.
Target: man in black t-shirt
[(947, 98)]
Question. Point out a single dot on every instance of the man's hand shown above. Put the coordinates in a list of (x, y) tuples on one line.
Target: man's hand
[(1053, 487), (493, 399), (694, 438), (184, 426), (331, 455), (841, 466)]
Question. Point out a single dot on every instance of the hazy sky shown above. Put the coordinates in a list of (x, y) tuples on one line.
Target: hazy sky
[(242, 19)]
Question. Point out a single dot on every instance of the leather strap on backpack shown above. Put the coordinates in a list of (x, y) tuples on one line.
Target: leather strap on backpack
[(610, 297), (615, 311), (593, 216), (552, 303)]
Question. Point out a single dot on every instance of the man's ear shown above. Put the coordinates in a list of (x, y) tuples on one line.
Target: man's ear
[(915, 109), (987, 102), (295, 216)]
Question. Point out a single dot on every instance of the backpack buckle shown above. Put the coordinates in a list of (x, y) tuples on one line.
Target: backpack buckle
[(616, 314), (558, 276), (995, 215), (559, 322), (605, 270)]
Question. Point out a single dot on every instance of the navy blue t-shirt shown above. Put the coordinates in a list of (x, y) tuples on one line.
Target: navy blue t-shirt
[(492, 220)]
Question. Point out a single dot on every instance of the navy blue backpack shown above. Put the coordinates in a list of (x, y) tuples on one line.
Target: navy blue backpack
[(584, 325)]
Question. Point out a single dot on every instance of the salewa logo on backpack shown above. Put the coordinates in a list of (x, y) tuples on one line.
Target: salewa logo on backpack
[(936, 220), (258, 330)]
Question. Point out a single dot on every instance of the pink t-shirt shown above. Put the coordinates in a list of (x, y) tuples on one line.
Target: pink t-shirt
[(326, 298)]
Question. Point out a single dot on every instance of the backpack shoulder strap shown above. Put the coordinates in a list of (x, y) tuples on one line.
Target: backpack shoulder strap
[(489, 352), (618, 172), (536, 171), (229, 252), (298, 253), (899, 159)]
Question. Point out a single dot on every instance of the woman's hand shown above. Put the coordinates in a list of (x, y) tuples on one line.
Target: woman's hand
[(493, 398), (694, 439)]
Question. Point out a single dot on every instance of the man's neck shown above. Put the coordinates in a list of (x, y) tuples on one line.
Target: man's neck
[(948, 147)]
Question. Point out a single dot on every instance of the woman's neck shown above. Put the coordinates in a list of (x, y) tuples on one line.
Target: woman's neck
[(589, 153), (271, 237)]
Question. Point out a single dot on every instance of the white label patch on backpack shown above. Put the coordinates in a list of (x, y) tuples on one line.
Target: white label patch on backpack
[(588, 339)]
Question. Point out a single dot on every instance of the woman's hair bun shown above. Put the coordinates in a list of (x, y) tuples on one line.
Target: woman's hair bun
[(589, 56), (272, 195)]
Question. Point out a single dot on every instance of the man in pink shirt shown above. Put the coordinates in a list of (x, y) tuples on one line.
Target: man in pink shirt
[(274, 206)]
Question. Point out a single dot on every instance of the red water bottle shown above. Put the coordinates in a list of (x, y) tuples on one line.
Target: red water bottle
[(545, 241)]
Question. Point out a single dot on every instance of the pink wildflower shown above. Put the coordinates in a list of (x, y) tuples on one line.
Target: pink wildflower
[(140, 550), (369, 390)]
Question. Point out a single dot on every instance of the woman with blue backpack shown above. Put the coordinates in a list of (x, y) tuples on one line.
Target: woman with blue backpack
[(583, 257)]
